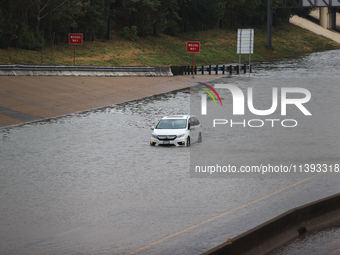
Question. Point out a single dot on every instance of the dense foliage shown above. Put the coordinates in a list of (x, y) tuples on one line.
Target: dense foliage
[(25, 23)]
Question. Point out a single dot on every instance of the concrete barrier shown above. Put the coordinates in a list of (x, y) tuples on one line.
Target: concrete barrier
[(163, 71), (283, 228), (41, 70)]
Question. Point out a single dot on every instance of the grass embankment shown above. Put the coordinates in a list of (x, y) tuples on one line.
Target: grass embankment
[(217, 46)]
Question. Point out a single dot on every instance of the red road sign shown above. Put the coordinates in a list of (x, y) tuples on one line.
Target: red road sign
[(76, 39), (193, 47)]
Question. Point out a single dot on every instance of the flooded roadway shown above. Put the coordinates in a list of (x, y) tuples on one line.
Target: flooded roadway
[(326, 241), (90, 183)]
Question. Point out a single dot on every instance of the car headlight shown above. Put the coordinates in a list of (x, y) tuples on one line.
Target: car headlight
[(154, 136), (180, 136)]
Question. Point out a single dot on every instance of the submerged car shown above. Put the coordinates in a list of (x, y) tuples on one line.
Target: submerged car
[(177, 130)]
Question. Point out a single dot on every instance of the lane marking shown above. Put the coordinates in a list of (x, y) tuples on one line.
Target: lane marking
[(68, 232), (219, 216), (334, 252)]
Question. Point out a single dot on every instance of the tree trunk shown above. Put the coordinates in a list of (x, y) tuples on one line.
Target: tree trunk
[(108, 28), (144, 20), (7, 21), (155, 30), (38, 19)]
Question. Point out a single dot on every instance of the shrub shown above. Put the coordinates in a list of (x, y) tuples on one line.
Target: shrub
[(7, 35), (5, 39), (28, 40), (171, 28), (133, 33), (129, 34)]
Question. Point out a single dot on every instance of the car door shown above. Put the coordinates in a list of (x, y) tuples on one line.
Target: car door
[(193, 129), (198, 128)]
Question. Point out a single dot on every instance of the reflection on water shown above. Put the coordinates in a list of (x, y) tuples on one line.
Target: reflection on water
[(90, 183), (320, 64)]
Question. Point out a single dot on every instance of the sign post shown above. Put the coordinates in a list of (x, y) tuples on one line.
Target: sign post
[(193, 47), (75, 39), (245, 44)]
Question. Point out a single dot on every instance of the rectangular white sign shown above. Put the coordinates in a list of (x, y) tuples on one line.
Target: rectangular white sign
[(245, 41)]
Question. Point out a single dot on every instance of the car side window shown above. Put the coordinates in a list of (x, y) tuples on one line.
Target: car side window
[(190, 122), (193, 121)]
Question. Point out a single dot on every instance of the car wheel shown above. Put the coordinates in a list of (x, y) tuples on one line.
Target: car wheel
[(200, 138), (188, 141)]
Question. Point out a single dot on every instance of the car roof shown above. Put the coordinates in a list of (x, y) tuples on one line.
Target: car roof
[(176, 117)]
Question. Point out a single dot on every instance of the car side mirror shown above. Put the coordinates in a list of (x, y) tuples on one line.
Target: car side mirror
[(189, 126), (152, 128)]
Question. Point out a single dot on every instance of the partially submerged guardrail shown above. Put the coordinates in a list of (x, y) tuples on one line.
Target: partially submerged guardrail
[(211, 69), (37, 70), (283, 228)]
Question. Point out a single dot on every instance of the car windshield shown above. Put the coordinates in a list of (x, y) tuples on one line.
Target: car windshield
[(172, 124)]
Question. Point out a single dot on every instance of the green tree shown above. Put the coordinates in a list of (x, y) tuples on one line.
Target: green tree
[(12, 15), (60, 16), (97, 19), (200, 14), (150, 16)]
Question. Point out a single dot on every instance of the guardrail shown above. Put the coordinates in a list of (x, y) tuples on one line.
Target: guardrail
[(45, 70), (34, 70), (78, 68), (211, 69)]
